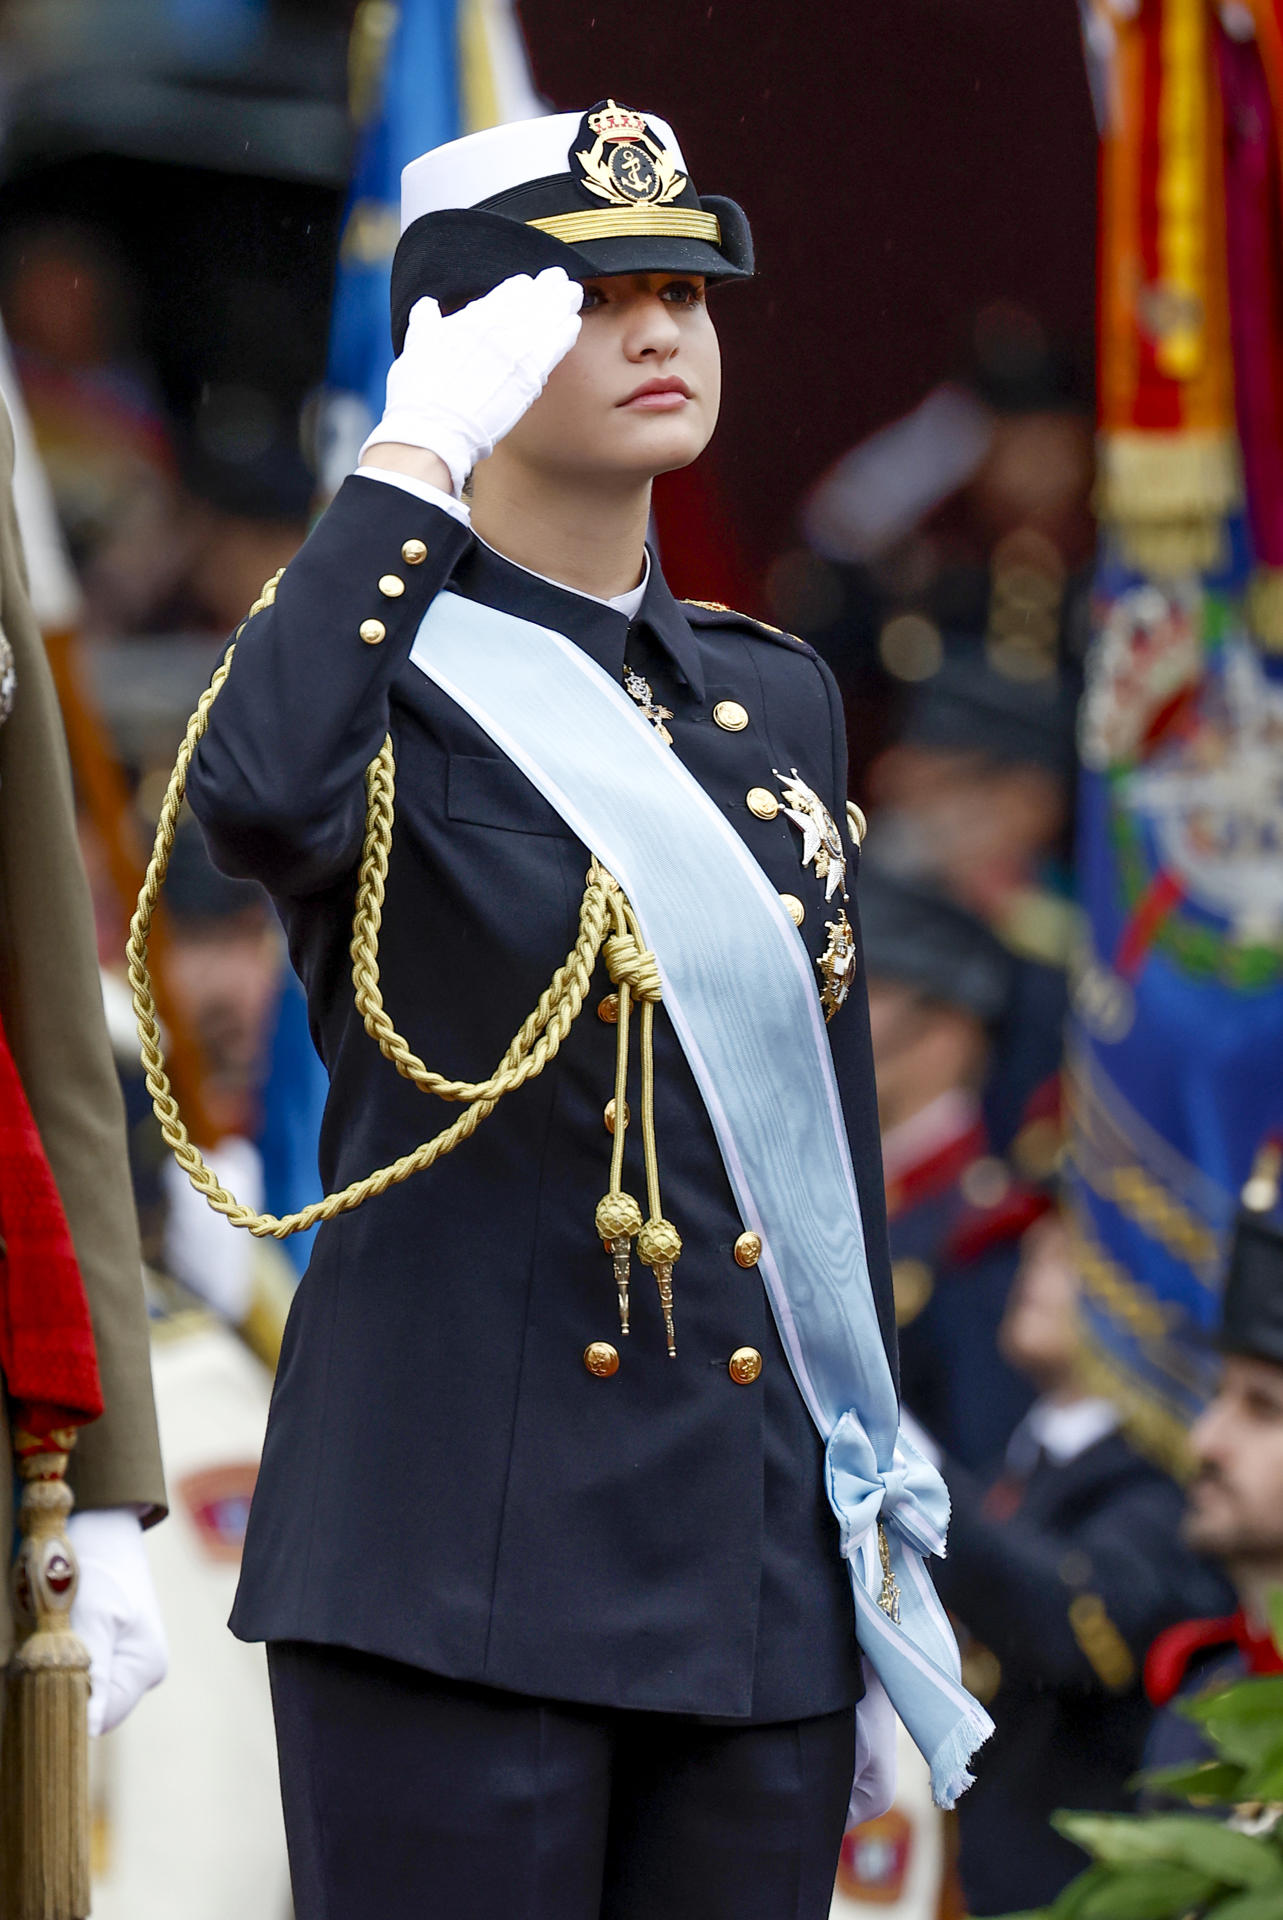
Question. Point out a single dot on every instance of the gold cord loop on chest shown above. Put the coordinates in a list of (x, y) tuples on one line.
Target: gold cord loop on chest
[(606, 923)]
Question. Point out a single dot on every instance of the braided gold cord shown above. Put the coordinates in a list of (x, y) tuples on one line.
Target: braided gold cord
[(537, 1041), (544, 1029)]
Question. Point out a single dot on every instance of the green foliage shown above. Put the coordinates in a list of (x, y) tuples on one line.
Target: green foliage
[(1178, 1839), (1204, 1783), (1189, 1866)]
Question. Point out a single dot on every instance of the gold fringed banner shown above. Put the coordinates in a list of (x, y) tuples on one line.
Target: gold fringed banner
[(1169, 465), (1166, 495), (45, 1766)]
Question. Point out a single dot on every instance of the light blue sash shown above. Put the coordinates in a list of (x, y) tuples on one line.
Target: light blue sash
[(741, 992)]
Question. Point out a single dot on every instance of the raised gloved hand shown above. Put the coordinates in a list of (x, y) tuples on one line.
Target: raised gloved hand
[(462, 382), (116, 1613)]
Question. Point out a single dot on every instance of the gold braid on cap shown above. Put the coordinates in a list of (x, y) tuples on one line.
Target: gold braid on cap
[(606, 920)]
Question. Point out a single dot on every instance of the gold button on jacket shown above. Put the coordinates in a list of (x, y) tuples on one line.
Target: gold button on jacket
[(372, 631), (601, 1359), (762, 802), (793, 908), (748, 1250), (391, 586), (744, 1366), (730, 716)]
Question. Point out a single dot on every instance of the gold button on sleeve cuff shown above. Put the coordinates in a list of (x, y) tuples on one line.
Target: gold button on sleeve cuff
[(748, 1250), (391, 586), (601, 1359), (762, 802), (730, 716), (414, 553), (744, 1366), (372, 631)]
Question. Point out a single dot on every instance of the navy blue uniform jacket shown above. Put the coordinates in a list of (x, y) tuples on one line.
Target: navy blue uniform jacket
[(443, 1482)]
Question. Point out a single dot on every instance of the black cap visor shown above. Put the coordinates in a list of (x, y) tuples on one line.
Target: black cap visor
[(1252, 1309), (458, 253)]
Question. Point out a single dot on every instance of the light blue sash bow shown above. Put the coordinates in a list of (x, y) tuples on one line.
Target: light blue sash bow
[(740, 990)]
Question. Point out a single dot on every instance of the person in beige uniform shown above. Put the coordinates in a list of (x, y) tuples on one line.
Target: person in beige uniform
[(52, 1014)]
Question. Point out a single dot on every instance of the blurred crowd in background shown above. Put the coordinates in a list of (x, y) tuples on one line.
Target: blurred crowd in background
[(172, 183)]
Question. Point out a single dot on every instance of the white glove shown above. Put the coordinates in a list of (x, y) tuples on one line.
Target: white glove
[(202, 1248), (461, 383), (116, 1613), (873, 1789)]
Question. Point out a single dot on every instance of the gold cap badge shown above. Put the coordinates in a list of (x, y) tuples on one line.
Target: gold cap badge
[(618, 158)]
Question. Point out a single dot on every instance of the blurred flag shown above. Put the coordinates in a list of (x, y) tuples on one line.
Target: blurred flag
[(421, 72), (1176, 1058)]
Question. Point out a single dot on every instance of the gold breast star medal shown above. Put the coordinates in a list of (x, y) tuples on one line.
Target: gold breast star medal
[(822, 846), (837, 964), (821, 841), (639, 690)]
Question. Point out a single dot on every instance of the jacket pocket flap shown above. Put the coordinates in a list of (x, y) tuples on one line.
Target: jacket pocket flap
[(496, 793)]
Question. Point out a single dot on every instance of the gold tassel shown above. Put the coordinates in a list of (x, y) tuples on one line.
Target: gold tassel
[(1166, 495), (1265, 607), (46, 1731)]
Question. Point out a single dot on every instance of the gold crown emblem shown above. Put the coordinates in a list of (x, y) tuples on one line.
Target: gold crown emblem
[(617, 123)]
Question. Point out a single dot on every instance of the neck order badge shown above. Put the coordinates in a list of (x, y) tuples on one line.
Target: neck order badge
[(764, 1070)]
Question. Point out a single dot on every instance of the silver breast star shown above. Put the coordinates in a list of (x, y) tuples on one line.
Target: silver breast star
[(821, 841)]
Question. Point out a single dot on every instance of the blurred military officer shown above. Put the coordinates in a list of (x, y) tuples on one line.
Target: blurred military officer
[(51, 1023), (939, 984), (1064, 1567), (1235, 1499), (975, 797)]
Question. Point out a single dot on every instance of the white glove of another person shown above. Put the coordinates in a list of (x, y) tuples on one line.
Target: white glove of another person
[(116, 1613), (462, 382)]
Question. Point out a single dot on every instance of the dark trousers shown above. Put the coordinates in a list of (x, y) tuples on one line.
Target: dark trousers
[(410, 1797)]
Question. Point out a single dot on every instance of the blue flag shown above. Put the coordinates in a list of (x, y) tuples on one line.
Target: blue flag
[(406, 97), (422, 72), (1175, 1068)]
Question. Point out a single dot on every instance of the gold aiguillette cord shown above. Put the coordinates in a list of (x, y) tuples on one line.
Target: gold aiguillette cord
[(635, 972)]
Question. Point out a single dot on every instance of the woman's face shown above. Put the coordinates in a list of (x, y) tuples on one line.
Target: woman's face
[(638, 393)]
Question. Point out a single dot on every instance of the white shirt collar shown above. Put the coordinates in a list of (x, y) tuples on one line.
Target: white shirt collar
[(1060, 1431), (629, 604)]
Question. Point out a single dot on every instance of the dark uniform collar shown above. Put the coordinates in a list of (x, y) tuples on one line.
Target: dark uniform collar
[(662, 616), (601, 630)]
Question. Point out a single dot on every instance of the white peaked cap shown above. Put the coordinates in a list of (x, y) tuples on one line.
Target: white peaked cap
[(464, 172)]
